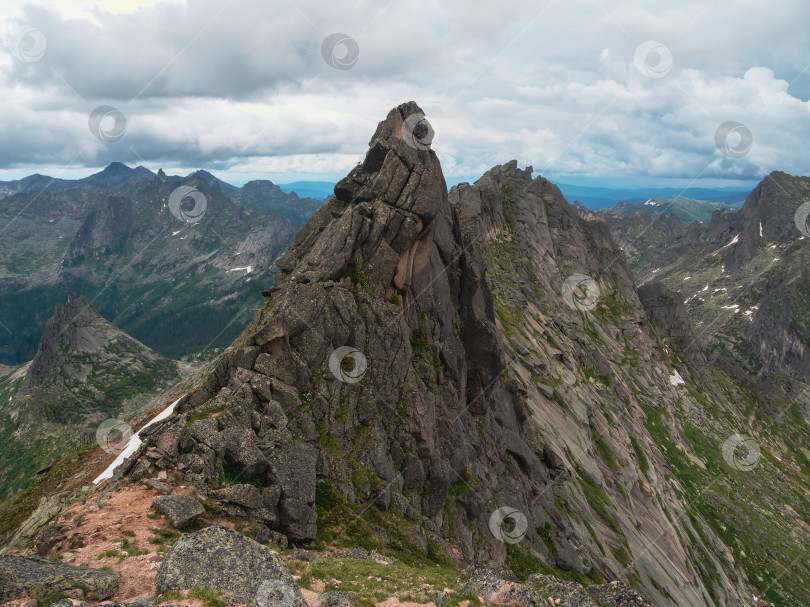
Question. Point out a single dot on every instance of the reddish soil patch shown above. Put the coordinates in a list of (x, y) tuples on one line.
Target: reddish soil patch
[(104, 527)]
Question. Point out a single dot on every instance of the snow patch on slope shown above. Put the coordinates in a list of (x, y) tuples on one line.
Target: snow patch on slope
[(133, 444)]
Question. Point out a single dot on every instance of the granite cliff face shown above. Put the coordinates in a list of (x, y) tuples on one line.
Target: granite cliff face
[(473, 378), (668, 314), (426, 357)]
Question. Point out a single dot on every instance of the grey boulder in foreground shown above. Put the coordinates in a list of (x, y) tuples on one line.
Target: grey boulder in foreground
[(37, 577), (222, 559)]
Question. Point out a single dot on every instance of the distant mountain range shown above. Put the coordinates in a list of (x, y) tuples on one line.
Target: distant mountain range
[(179, 287), (597, 198), (742, 275), (90, 235), (591, 197), (687, 209)]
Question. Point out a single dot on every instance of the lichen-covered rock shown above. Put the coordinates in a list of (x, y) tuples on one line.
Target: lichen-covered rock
[(298, 520), (364, 555), (337, 598), (182, 510), (244, 495), (247, 501), (32, 576), (225, 560), (616, 594), (48, 508)]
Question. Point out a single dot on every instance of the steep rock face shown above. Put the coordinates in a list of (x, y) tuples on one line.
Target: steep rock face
[(424, 356), (104, 231), (577, 358), (767, 215), (669, 316)]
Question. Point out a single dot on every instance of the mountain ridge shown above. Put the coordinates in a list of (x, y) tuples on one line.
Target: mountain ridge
[(472, 378), (126, 249), (349, 247)]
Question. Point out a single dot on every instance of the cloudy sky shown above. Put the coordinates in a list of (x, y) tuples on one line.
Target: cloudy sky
[(587, 91)]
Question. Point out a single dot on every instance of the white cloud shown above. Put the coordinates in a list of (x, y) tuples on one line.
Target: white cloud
[(242, 86)]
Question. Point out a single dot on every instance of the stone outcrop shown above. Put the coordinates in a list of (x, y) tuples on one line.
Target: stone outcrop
[(182, 510), (85, 370), (76, 339), (423, 354), (668, 314), (221, 559), (36, 577)]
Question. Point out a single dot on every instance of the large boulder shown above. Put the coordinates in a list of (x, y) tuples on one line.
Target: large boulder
[(248, 501), (225, 560), (299, 522), (182, 510), (48, 508), (36, 577)]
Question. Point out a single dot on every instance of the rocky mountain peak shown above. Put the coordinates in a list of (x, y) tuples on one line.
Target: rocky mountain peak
[(119, 174), (400, 168), (766, 216), (473, 378), (424, 354), (79, 346), (74, 324)]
